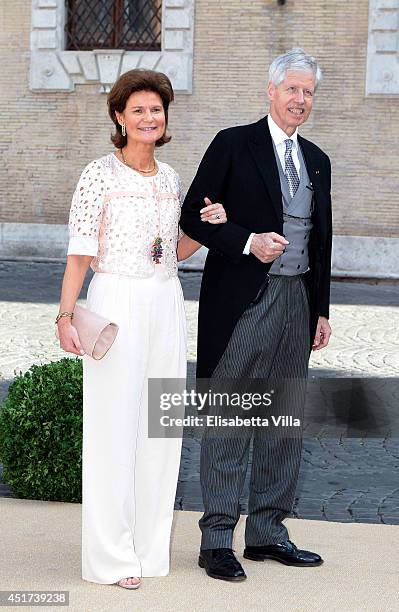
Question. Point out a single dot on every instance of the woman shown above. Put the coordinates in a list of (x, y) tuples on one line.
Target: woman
[(124, 223)]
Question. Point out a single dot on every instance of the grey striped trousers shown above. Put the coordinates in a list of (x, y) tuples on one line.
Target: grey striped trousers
[(270, 341)]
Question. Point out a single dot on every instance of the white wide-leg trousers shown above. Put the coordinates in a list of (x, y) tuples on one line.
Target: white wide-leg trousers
[(129, 480)]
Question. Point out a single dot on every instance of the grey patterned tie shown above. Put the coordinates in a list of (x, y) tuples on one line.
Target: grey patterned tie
[(290, 170)]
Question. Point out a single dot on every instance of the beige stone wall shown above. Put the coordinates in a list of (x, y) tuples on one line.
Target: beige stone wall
[(47, 138)]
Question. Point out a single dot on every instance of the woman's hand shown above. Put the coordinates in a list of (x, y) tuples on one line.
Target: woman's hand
[(72, 282), (69, 339), (213, 213)]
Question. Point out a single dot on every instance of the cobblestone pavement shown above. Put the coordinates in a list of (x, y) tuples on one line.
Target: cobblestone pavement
[(341, 478)]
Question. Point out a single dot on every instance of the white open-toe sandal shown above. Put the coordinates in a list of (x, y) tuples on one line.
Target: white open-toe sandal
[(125, 585)]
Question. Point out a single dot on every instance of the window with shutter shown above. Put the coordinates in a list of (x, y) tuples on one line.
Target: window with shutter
[(113, 24)]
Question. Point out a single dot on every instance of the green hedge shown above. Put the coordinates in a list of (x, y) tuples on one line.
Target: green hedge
[(41, 432)]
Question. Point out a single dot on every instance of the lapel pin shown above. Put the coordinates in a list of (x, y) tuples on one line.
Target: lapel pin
[(317, 171)]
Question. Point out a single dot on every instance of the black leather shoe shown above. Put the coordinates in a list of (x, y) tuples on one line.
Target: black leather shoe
[(221, 563), (286, 553)]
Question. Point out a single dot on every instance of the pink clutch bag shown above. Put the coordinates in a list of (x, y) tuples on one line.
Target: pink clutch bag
[(96, 333)]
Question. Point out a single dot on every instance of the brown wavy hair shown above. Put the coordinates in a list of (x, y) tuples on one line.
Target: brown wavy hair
[(130, 82)]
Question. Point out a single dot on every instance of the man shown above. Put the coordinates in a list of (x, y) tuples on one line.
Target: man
[(264, 304)]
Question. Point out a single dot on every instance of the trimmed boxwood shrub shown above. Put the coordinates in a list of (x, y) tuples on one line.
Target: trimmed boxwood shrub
[(41, 432)]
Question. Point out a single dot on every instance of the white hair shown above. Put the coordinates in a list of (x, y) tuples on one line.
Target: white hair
[(296, 59)]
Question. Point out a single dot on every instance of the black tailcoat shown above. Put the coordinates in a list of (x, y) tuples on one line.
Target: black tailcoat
[(239, 169)]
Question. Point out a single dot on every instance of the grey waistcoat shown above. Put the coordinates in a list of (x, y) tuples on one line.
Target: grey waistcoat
[(296, 222)]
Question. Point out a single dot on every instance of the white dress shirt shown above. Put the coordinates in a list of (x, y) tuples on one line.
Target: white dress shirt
[(279, 136)]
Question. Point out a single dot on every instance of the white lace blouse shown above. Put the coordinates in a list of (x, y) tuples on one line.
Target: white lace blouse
[(117, 213)]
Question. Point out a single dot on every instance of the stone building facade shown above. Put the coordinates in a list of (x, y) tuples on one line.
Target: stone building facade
[(54, 115)]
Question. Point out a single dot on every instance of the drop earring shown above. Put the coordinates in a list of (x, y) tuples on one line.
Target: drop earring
[(123, 129)]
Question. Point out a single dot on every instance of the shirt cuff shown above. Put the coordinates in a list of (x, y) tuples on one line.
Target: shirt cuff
[(246, 250), (82, 245)]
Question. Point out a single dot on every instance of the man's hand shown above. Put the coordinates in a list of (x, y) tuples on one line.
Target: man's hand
[(323, 333), (267, 247)]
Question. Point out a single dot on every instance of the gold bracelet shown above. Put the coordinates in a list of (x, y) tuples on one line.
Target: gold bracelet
[(63, 314)]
